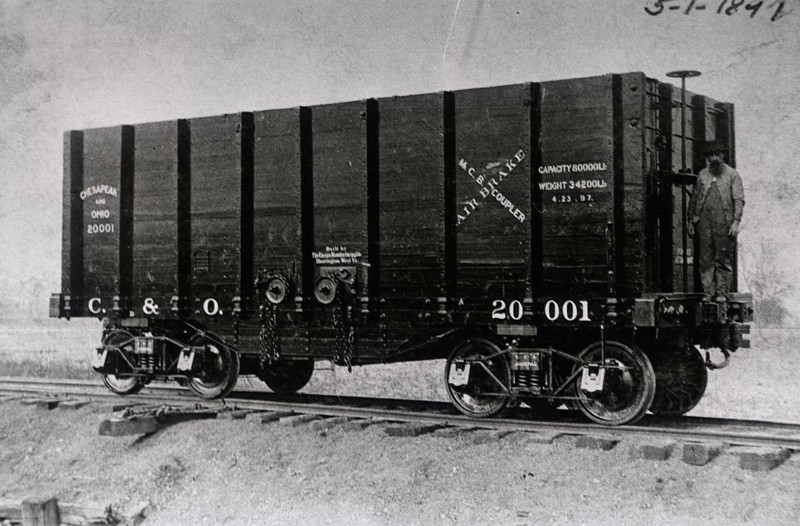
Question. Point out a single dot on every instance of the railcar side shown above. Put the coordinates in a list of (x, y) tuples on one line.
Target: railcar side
[(530, 234)]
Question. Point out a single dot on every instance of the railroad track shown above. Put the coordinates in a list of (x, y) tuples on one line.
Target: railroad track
[(687, 429)]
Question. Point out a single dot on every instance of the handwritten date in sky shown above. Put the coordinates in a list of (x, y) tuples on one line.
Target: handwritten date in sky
[(723, 7)]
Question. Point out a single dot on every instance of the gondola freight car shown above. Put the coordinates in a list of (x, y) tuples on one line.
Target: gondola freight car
[(532, 235)]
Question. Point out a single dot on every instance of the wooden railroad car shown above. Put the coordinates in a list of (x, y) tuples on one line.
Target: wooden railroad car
[(532, 235)]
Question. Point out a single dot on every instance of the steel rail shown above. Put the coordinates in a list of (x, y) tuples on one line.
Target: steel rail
[(688, 429)]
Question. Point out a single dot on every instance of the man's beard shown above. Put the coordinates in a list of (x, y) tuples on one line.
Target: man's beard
[(715, 167)]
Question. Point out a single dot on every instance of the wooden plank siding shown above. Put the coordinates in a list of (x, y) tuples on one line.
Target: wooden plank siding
[(216, 211), (411, 196), (101, 221), (576, 128), (493, 194), (437, 204), (277, 231), (630, 185), (155, 208), (340, 188), (72, 226)]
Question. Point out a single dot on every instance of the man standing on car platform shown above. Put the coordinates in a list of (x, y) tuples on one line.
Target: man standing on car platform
[(715, 211)]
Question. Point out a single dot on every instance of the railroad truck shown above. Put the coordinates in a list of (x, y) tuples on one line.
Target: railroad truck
[(532, 236)]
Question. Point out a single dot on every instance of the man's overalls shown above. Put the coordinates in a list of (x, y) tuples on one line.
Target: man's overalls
[(716, 246)]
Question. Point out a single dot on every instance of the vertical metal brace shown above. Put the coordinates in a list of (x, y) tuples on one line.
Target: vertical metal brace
[(441, 306), (67, 306), (383, 326), (602, 344), (237, 313), (237, 305), (610, 257), (683, 75)]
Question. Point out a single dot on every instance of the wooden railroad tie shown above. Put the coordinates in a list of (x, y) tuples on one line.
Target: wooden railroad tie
[(142, 421), (47, 511)]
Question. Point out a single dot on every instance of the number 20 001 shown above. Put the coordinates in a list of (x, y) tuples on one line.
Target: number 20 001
[(569, 310)]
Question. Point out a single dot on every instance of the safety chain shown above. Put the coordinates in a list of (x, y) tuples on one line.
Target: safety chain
[(345, 332)]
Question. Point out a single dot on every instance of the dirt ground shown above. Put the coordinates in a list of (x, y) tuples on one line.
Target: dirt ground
[(242, 472)]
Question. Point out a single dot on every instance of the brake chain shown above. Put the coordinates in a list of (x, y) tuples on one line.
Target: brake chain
[(268, 338), (350, 343), (268, 344), (345, 332)]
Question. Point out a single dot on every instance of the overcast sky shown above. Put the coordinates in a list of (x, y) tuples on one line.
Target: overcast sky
[(68, 64)]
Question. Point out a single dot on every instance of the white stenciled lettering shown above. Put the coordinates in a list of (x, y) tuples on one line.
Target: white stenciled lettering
[(211, 306), (569, 310), (573, 168), (338, 255), (554, 169), (549, 185), (101, 228), (469, 206), (489, 188), (94, 305), (150, 307), (98, 189), (514, 310), (589, 167)]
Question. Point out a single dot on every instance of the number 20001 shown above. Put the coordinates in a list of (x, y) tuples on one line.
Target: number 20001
[(569, 310), (101, 228)]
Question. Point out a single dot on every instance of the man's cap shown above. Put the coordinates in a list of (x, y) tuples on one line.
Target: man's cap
[(716, 147)]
